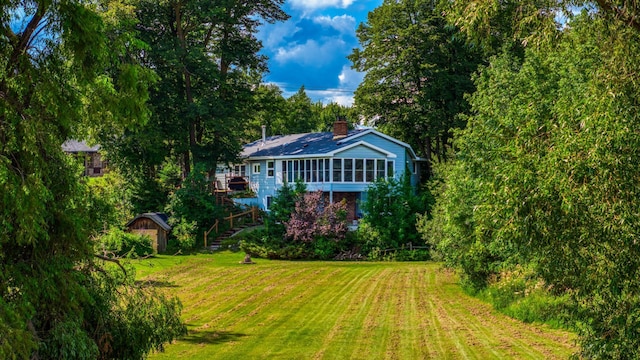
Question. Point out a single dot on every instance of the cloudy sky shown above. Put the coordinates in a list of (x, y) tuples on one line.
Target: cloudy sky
[(310, 48)]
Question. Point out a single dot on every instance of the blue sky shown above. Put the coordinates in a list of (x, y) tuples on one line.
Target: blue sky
[(311, 47)]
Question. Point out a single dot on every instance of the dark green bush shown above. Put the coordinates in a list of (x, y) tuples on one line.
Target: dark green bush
[(125, 244)]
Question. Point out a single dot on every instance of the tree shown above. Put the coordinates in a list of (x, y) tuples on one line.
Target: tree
[(206, 55), (56, 299), (283, 205), (270, 110), (391, 209), (418, 69), (550, 156), (300, 117)]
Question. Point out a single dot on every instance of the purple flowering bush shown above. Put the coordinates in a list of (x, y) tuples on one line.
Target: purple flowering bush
[(315, 218)]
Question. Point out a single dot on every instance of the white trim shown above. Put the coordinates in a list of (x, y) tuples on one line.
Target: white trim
[(326, 155), (365, 144), (384, 136)]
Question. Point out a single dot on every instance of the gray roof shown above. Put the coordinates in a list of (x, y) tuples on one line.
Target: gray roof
[(75, 146), (297, 144), (159, 218), (307, 144)]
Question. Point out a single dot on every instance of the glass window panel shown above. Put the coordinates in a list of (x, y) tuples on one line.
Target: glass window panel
[(379, 169), (270, 168), (370, 170), (337, 170), (390, 169), (321, 170), (308, 171), (348, 170), (284, 170), (359, 170), (314, 173), (327, 170), (296, 170)]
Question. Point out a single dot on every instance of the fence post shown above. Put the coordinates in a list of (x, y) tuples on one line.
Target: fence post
[(253, 214)]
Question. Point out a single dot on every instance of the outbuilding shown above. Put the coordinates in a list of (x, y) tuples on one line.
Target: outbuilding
[(154, 225)]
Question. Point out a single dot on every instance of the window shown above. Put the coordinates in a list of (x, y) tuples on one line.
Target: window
[(296, 171), (390, 169), (269, 201), (359, 170), (321, 170), (270, 168), (240, 170), (285, 172), (337, 170), (307, 171), (348, 170), (327, 170), (256, 168), (314, 173), (369, 170), (379, 169)]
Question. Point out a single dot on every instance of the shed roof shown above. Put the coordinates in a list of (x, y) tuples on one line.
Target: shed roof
[(307, 144), (159, 218), (75, 146)]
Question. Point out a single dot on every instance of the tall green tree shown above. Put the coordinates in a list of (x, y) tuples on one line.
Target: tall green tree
[(300, 117), (57, 300), (417, 69), (206, 55), (549, 163)]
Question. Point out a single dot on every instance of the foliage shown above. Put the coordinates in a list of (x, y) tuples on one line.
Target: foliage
[(184, 233), (119, 243), (193, 205), (109, 200), (547, 175), (283, 204), (58, 78), (314, 218), (207, 54), (417, 70), (390, 213)]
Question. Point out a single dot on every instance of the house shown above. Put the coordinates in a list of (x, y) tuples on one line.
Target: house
[(94, 165), (342, 164), (153, 225)]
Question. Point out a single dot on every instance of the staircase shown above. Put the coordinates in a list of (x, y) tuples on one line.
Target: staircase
[(235, 225), (215, 244)]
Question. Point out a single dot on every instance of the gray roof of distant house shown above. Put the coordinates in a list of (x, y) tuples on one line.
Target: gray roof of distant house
[(306, 144), (159, 218), (75, 146)]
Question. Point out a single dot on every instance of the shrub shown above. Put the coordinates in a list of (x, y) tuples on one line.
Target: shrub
[(390, 213), (126, 244), (184, 233)]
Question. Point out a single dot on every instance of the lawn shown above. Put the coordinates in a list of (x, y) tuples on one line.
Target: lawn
[(336, 310)]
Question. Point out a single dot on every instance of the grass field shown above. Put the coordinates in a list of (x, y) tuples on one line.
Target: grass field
[(337, 310)]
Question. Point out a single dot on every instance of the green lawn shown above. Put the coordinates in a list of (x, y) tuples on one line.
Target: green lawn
[(337, 310)]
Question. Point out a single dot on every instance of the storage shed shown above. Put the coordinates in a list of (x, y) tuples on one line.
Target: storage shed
[(153, 225)]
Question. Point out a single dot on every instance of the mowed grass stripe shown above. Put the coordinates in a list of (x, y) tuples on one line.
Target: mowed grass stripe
[(333, 310)]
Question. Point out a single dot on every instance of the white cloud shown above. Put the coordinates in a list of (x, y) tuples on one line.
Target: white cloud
[(277, 32), (320, 4), (350, 78), (311, 53), (345, 24)]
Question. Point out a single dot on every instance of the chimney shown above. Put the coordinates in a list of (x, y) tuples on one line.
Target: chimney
[(264, 134), (340, 128)]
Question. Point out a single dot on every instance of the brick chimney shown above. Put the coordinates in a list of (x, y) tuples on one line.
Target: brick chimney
[(340, 128)]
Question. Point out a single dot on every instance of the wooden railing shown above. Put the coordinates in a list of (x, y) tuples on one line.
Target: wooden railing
[(215, 226), (230, 218)]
